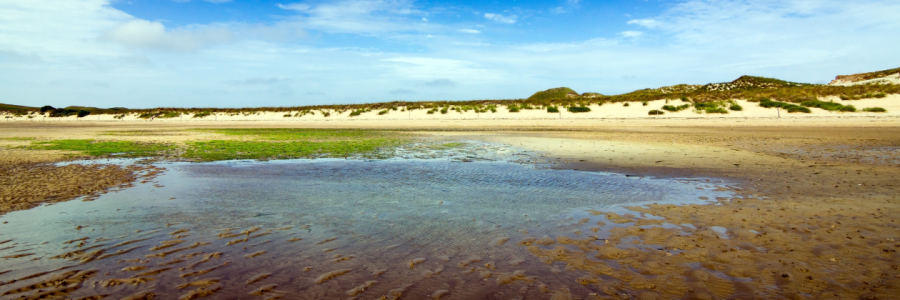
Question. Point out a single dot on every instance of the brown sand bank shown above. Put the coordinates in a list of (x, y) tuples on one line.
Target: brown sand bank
[(816, 217), (819, 217)]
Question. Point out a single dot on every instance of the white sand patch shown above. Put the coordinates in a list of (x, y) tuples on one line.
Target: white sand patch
[(890, 79)]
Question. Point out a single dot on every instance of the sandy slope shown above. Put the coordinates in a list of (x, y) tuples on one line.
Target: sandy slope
[(635, 111)]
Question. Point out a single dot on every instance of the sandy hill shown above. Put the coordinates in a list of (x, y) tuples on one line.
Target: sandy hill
[(745, 82), (891, 76), (554, 93)]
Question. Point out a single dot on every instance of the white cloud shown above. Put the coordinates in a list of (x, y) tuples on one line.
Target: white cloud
[(358, 16), (153, 35), (61, 52), (441, 82), (425, 68), (631, 34), (510, 19), (469, 31), (294, 6), (569, 6), (648, 23)]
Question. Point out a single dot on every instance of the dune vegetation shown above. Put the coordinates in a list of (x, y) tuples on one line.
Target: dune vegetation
[(769, 92)]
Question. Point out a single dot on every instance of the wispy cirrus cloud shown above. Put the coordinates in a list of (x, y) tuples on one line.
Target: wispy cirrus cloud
[(359, 16), (441, 82), (648, 23), (631, 34), (505, 19), (567, 7), (147, 34)]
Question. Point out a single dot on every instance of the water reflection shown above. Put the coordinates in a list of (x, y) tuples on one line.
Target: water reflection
[(313, 229)]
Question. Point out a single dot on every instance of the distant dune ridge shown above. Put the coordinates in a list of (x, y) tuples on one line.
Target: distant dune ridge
[(747, 96), (891, 76)]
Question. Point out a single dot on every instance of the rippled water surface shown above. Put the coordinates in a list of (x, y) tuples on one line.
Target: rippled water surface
[(408, 227)]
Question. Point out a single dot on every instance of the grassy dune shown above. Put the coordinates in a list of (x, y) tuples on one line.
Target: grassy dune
[(754, 89)]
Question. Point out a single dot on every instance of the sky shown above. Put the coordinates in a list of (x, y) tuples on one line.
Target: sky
[(234, 53)]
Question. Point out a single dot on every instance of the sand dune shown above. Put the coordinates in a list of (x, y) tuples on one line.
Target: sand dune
[(635, 110)]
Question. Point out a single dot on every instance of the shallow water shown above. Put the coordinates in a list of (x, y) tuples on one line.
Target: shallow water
[(383, 216)]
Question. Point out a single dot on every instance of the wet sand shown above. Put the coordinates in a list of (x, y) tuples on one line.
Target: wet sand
[(815, 218), (818, 219)]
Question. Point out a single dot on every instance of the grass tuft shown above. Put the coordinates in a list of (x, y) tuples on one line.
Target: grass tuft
[(791, 108), (829, 106), (290, 143), (874, 109), (676, 108)]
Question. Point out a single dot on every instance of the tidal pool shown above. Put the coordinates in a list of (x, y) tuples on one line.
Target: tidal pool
[(325, 228)]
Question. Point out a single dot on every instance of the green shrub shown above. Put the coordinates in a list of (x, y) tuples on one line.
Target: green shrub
[(735, 107), (202, 114), (625, 105), (829, 106), (874, 109), (383, 112), (63, 112), (715, 110), (579, 109), (676, 108), (513, 108), (552, 109), (83, 113), (655, 112), (645, 103), (444, 111), (791, 108)]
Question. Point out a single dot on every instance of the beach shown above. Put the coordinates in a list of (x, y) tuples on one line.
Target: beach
[(812, 212)]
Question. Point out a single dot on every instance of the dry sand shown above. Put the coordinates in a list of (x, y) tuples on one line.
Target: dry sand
[(816, 216), (616, 111)]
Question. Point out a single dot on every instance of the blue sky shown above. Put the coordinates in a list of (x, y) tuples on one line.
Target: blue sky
[(194, 53)]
